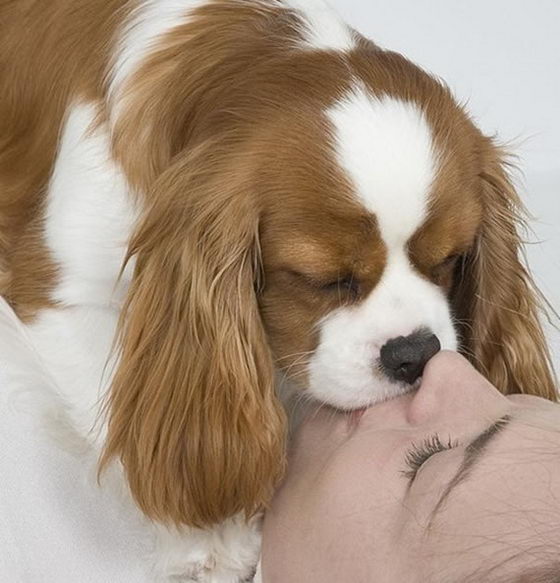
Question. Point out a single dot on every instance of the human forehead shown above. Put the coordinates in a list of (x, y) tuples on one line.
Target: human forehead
[(536, 417), (519, 469), (506, 511)]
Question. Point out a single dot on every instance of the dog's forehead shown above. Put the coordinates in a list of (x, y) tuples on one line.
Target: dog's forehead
[(385, 148), (363, 179), (369, 156)]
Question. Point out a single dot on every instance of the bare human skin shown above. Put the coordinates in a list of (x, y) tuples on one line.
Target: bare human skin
[(485, 508)]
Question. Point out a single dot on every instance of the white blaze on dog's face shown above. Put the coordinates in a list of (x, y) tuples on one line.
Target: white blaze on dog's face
[(359, 270), (385, 147)]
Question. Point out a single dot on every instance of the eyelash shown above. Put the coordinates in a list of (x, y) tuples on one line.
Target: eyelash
[(419, 454), (446, 266), (348, 284)]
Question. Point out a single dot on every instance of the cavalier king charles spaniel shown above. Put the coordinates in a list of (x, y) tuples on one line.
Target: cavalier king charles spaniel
[(207, 205)]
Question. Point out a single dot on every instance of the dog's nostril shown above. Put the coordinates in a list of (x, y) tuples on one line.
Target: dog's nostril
[(404, 358)]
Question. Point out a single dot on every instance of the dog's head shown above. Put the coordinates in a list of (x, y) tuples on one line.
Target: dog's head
[(335, 218)]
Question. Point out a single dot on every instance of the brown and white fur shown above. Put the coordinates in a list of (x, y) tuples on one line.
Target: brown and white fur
[(206, 202)]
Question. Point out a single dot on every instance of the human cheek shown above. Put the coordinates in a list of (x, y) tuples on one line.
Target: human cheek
[(369, 466), (361, 492), (430, 483)]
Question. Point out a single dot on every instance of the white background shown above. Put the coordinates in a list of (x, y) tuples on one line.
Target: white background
[(503, 58)]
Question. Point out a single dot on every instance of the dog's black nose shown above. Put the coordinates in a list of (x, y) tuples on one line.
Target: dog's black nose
[(404, 358)]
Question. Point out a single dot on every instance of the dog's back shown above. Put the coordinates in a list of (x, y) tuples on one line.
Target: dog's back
[(50, 54)]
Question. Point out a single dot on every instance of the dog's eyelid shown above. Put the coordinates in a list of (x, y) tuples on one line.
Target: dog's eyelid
[(446, 264), (450, 259), (323, 280)]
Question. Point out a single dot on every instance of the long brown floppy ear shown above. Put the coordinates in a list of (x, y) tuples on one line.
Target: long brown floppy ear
[(496, 300), (192, 410)]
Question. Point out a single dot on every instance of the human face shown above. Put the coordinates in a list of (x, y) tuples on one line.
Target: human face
[(485, 507)]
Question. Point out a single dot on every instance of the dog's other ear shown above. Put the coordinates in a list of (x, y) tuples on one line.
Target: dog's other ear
[(192, 411), (496, 300)]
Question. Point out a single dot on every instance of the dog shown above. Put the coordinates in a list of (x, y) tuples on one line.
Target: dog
[(207, 205)]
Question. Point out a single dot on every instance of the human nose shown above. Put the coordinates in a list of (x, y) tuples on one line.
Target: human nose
[(452, 391)]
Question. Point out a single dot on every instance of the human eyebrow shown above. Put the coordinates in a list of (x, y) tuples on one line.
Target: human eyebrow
[(473, 454)]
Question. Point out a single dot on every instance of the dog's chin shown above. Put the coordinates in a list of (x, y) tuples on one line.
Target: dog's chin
[(301, 400), (347, 401)]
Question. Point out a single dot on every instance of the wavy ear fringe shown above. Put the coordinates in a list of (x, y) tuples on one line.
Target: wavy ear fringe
[(496, 300), (192, 412)]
